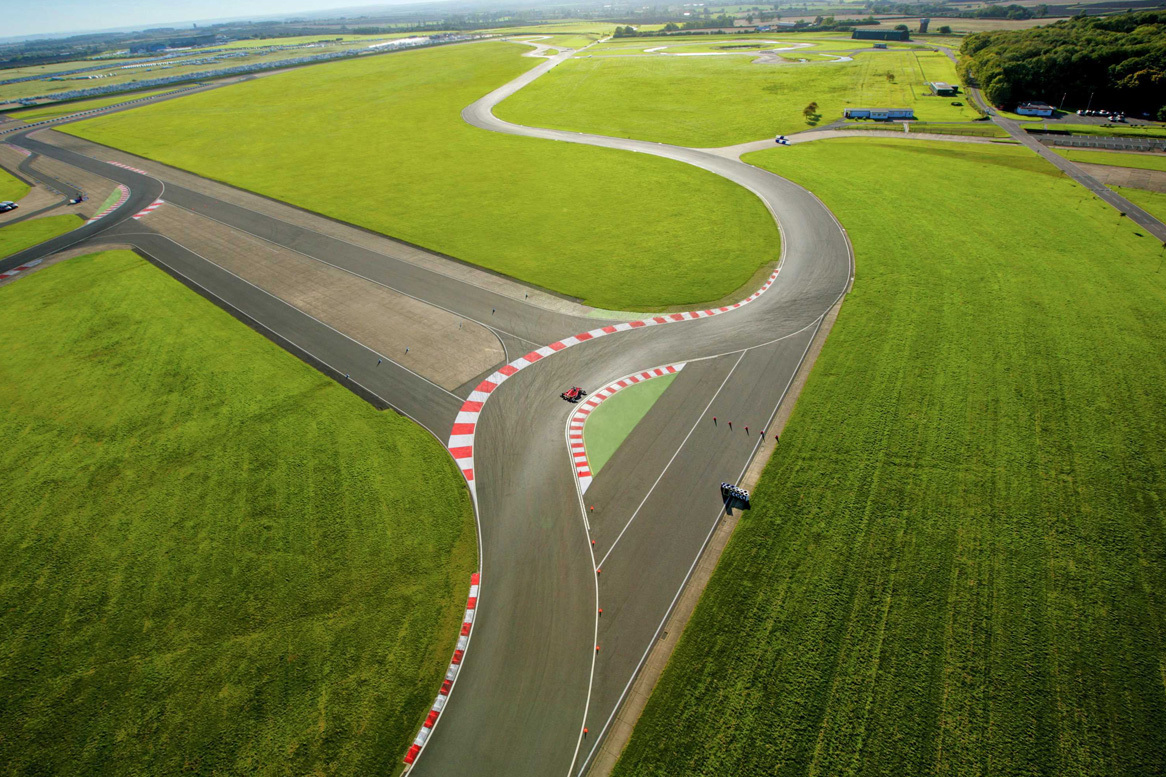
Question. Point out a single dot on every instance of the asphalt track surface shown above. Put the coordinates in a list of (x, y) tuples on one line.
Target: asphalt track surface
[(532, 679)]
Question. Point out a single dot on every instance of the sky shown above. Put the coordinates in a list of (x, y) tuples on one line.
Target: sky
[(34, 17)]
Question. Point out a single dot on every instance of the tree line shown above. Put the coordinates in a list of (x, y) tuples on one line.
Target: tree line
[(1112, 62)]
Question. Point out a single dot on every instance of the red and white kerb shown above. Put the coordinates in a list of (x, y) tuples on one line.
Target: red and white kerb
[(455, 663), (127, 167), (461, 439), (123, 194), (579, 417), (20, 269), (153, 206)]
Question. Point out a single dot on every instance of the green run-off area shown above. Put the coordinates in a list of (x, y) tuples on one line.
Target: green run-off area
[(380, 142), (615, 417), (215, 559), (719, 101), (955, 563), (26, 234)]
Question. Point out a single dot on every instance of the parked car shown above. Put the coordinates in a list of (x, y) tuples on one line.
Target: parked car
[(8, 205)]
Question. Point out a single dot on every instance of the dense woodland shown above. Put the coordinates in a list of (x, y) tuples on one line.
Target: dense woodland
[(1111, 62)]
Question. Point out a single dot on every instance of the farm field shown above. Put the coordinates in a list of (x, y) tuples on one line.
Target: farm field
[(120, 74), (955, 557), (216, 560), (1139, 161), (11, 188), (1153, 203), (25, 234), (615, 418), (64, 109), (719, 101), (392, 154)]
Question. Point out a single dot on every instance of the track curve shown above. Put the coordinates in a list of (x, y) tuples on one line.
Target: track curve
[(535, 677)]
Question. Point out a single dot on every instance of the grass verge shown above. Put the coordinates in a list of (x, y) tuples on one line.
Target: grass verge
[(955, 558), (719, 101), (380, 142), (26, 234), (1153, 203), (57, 110), (11, 188), (1116, 158), (615, 417), (216, 560)]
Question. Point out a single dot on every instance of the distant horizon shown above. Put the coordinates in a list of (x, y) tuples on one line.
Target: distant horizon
[(73, 17)]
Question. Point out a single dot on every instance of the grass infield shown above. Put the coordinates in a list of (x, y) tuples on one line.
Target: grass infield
[(216, 560), (955, 561), (380, 142), (717, 101), (11, 188), (615, 417), (26, 234)]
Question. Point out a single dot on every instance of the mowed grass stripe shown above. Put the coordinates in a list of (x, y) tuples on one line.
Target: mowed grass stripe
[(215, 559), (380, 142), (955, 560)]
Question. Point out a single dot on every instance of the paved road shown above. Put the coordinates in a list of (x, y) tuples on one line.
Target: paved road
[(532, 679), (1014, 130)]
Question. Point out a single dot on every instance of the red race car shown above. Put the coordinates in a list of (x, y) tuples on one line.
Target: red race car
[(573, 394)]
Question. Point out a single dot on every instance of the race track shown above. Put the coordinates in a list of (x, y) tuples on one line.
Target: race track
[(532, 678)]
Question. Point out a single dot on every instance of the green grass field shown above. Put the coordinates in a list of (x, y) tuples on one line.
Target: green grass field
[(1153, 203), (64, 109), (216, 560), (955, 561), (718, 101), (11, 188), (26, 234), (1139, 161), (1132, 130), (614, 419), (381, 143)]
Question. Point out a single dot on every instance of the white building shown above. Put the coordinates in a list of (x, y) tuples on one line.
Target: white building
[(1034, 109)]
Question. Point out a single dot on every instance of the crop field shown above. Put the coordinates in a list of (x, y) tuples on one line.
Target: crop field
[(1153, 203), (719, 101), (64, 109), (128, 73), (388, 150), (1138, 161), (955, 558), (251, 43), (11, 188), (216, 560), (26, 234)]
